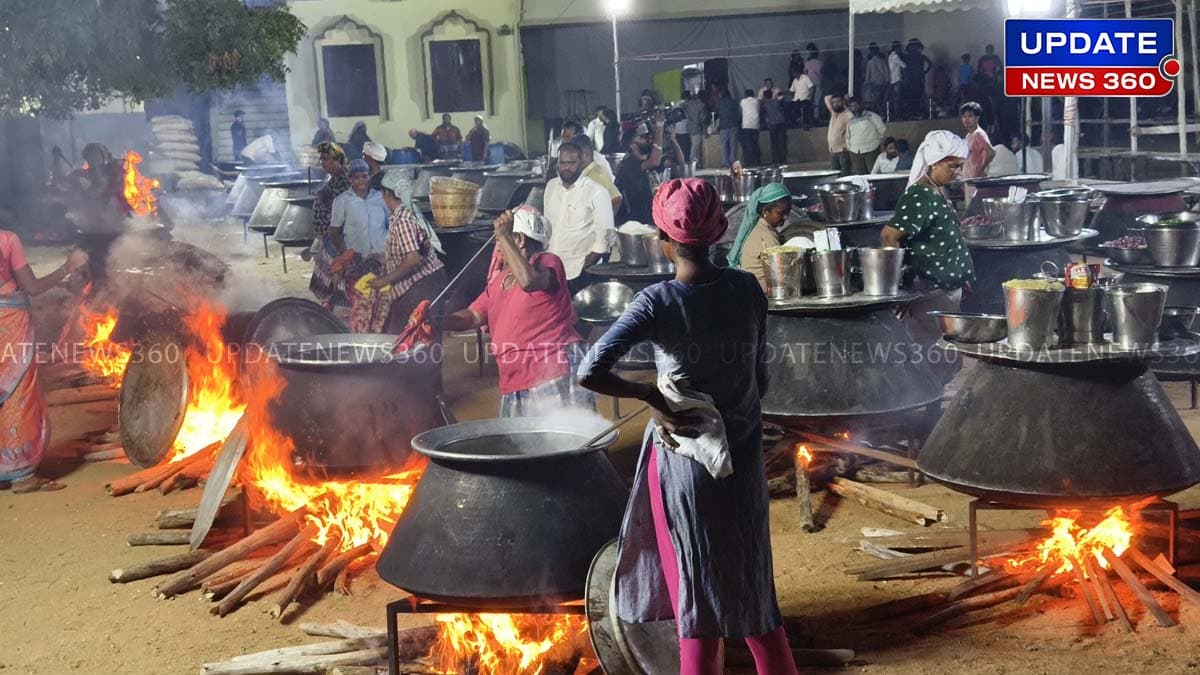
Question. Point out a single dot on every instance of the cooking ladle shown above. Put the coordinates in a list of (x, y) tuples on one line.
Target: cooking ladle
[(613, 427)]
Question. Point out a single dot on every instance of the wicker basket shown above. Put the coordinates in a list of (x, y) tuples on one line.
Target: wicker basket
[(446, 184), (454, 209)]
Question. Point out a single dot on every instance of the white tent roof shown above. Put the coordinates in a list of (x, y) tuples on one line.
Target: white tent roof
[(878, 6)]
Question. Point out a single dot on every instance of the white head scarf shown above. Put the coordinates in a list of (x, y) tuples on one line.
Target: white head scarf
[(938, 145)]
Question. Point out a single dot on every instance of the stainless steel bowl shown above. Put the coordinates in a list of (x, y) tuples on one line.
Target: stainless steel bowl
[(602, 302), (842, 202), (975, 328), (1064, 212), (1129, 256), (744, 185), (1020, 220), (1177, 322), (1173, 238), (633, 248), (983, 232)]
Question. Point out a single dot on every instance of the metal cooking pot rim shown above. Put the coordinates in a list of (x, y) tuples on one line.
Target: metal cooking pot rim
[(368, 348), (810, 173), (431, 442), (838, 188)]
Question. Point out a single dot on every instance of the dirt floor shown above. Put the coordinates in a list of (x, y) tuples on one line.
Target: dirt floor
[(62, 615)]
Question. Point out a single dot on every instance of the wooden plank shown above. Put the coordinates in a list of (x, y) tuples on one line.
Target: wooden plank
[(892, 504), (1139, 589), (920, 561), (1001, 580), (1185, 591), (1086, 589), (954, 538), (1101, 576), (855, 449)]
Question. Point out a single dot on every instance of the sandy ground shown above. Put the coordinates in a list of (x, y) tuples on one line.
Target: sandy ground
[(62, 615)]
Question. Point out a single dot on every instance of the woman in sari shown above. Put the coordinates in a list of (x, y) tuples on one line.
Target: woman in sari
[(326, 285), (24, 426), (695, 545)]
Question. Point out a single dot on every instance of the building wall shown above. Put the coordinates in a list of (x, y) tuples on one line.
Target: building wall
[(542, 12), (399, 26)]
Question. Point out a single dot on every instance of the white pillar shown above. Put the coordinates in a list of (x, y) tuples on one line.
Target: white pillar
[(1195, 63), (1071, 117), (616, 70), (850, 54), (1180, 83), (1133, 117)]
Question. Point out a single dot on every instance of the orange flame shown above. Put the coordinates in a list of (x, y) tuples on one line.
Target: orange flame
[(1069, 541), (102, 357), (139, 189), (500, 644), (214, 406), (804, 456), (355, 511)]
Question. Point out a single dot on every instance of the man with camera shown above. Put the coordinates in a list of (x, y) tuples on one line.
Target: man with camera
[(645, 154)]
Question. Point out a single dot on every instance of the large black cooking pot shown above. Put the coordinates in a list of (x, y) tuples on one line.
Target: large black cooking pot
[(1061, 435), (350, 405), (509, 512)]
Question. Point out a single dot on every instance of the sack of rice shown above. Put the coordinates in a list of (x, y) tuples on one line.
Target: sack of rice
[(170, 119), (194, 180), (193, 148), (176, 137), (178, 124), (184, 165), (193, 157)]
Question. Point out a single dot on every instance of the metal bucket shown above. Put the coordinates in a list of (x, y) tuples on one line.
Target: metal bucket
[(882, 269), (1064, 212), (1081, 319), (843, 202), (685, 170), (744, 185), (655, 258), (1135, 311), (1173, 245), (1021, 219), (829, 271), (785, 273), (1032, 316), (633, 249)]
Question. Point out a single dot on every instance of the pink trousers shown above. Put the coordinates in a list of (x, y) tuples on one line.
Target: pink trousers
[(701, 656)]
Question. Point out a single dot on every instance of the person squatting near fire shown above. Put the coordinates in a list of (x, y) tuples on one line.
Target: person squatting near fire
[(527, 308), (325, 285), (695, 544), (413, 273), (24, 425), (925, 221), (358, 232), (766, 214)]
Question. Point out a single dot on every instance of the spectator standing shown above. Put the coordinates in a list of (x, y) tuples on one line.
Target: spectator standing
[(682, 136), (595, 128), (839, 120), (979, 147), (238, 131), (896, 68), (358, 138), (864, 137), (1029, 160), (448, 137), (916, 67), (612, 132), (729, 123), (965, 75), (887, 160), (876, 80), (768, 86), (697, 121), (581, 217), (478, 139), (777, 127), (751, 156), (802, 98), (813, 67), (1004, 163), (990, 65)]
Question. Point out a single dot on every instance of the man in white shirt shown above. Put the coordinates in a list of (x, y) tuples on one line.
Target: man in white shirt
[(802, 98), (889, 159), (864, 136), (877, 78), (751, 155), (1004, 163), (1028, 159), (573, 130), (581, 217), (896, 68), (595, 129)]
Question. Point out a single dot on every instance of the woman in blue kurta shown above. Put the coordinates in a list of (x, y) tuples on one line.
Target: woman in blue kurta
[(694, 547)]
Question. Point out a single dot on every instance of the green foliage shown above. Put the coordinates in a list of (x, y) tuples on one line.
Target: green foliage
[(59, 56)]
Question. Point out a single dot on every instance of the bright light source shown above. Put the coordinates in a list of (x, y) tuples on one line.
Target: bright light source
[(617, 7), (1028, 8)]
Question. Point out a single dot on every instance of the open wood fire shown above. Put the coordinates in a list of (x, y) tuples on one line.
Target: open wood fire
[(138, 189)]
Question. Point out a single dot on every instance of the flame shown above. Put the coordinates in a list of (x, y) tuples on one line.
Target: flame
[(102, 357), (356, 512), (214, 405), (1069, 541), (500, 644), (804, 456), (138, 189)]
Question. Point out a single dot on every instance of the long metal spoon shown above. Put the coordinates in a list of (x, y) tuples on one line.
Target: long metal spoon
[(613, 427)]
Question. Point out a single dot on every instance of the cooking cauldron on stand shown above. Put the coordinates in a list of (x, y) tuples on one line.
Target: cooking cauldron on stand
[(641, 357), (997, 261), (1125, 202), (500, 190), (350, 405), (509, 512), (295, 229), (1004, 437), (272, 204)]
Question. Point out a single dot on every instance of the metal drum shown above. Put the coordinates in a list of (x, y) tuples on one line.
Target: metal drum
[(498, 190)]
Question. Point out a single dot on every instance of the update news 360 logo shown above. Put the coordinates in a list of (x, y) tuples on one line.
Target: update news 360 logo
[(1090, 57)]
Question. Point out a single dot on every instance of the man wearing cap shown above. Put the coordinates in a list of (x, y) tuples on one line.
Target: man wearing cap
[(646, 153), (526, 306), (376, 156), (359, 227), (581, 217)]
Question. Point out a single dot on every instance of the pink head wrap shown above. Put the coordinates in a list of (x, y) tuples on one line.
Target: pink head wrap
[(689, 211)]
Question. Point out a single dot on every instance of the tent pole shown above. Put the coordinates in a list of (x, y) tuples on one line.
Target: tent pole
[(1195, 65), (1071, 118), (1180, 87), (850, 54)]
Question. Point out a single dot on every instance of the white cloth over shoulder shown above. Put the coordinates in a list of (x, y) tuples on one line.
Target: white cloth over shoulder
[(711, 447)]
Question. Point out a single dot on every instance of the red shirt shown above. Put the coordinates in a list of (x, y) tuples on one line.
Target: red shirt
[(12, 256), (530, 331)]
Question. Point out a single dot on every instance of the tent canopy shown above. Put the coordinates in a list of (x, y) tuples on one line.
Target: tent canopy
[(879, 6)]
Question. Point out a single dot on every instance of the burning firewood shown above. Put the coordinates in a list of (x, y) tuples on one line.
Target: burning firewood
[(330, 572), (1139, 589), (301, 544), (1185, 591), (305, 579), (1100, 576), (824, 444), (281, 530)]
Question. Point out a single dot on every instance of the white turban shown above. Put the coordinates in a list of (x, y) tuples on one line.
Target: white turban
[(528, 221), (938, 145)]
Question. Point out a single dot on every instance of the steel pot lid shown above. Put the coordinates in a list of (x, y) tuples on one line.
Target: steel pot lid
[(509, 440), (154, 398), (601, 609), (334, 350), (1156, 188), (288, 319), (1006, 181)]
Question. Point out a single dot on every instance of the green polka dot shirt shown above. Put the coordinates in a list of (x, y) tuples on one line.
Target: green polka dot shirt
[(932, 233)]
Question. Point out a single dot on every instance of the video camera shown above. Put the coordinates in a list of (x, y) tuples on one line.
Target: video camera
[(674, 114)]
